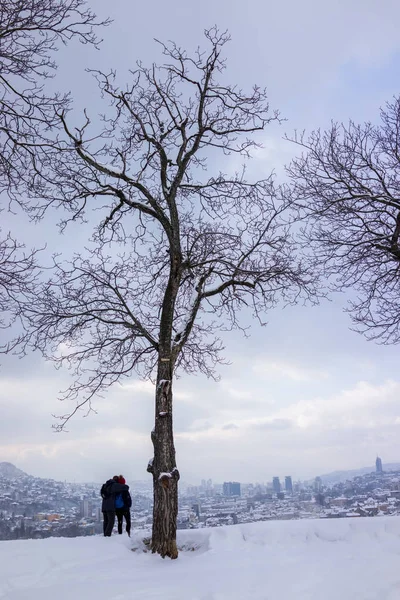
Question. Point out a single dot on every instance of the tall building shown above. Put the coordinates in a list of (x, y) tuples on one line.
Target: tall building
[(288, 484), (210, 488), (378, 463), (196, 509), (231, 488), (276, 484), (86, 508), (318, 484), (235, 488)]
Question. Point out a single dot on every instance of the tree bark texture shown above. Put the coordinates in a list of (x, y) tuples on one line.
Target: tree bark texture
[(163, 468)]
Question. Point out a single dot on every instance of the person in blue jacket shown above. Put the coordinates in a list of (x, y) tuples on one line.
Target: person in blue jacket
[(109, 491), (123, 503)]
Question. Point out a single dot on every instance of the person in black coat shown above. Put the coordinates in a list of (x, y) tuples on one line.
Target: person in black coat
[(125, 509), (108, 492)]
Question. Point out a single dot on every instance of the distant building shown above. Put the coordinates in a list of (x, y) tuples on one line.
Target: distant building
[(276, 484), (235, 488), (207, 487), (288, 484), (53, 517), (298, 486), (318, 484), (378, 463), (86, 508), (231, 488)]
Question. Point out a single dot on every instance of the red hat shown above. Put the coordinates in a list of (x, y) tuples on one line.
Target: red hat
[(121, 479)]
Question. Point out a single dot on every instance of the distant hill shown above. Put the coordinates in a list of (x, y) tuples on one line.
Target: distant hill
[(338, 476), (10, 471)]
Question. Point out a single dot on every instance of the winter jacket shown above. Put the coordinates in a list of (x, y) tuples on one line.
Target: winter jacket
[(126, 497), (108, 492)]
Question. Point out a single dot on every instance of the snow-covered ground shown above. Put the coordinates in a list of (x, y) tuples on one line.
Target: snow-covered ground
[(343, 559)]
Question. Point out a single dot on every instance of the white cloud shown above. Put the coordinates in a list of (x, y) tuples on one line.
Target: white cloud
[(214, 430), (272, 424), (268, 368), (363, 406), (236, 389), (145, 387)]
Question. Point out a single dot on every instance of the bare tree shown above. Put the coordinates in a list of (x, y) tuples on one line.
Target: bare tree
[(17, 273), (348, 182), (30, 32), (194, 246)]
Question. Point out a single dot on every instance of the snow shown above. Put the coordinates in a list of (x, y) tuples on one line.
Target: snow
[(169, 475), (346, 559), (163, 382), (181, 323)]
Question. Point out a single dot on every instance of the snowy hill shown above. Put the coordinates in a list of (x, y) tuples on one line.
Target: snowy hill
[(339, 476), (346, 559), (10, 471)]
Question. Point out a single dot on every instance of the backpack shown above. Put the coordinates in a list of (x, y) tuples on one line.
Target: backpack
[(119, 501)]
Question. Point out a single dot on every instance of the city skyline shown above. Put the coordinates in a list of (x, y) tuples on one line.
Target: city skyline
[(287, 483), (31, 507)]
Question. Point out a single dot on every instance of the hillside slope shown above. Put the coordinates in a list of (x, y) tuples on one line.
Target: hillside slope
[(10, 471), (352, 559)]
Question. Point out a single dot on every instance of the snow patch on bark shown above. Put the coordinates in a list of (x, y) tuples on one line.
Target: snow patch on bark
[(163, 382), (169, 474)]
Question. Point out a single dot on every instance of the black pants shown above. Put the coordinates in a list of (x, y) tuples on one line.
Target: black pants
[(121, 513), (108, 522)]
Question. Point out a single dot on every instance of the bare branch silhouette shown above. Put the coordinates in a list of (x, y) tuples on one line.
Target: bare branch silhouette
[(348, 183), (30, 33)]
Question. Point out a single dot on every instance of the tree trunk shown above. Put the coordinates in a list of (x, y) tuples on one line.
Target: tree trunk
[(163, 467)]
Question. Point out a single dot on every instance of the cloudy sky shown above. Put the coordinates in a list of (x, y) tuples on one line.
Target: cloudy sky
[(302, 396)]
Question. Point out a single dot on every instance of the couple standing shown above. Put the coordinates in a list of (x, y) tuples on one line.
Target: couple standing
[(116, 501)]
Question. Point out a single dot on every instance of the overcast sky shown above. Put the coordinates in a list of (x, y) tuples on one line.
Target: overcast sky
[(302, 396)]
